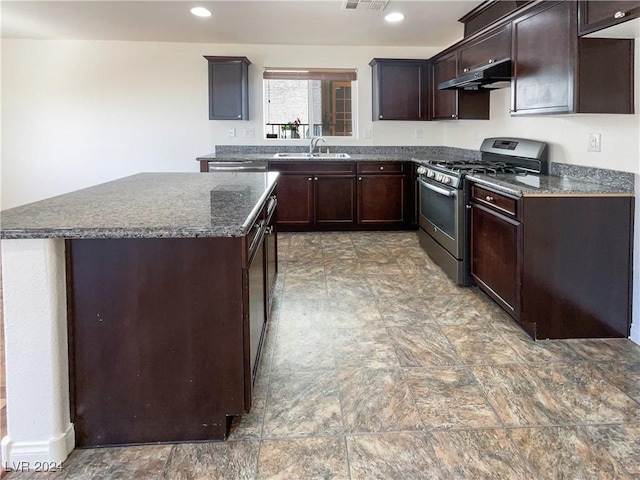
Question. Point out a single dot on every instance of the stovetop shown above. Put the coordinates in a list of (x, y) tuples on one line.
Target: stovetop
[(499, 155)]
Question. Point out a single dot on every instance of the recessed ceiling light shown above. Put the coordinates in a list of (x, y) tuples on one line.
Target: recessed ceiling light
[(394, 17), (201, 12)]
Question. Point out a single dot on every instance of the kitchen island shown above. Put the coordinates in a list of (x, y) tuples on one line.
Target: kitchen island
[(134, 310)]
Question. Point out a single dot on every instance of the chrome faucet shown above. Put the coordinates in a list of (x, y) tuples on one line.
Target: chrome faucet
[(314, 142)]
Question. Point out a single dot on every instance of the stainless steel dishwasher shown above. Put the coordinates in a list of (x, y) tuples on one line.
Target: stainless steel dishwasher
[(238, 166)]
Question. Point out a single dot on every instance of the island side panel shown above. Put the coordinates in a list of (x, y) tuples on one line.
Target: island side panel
[(156, 338)]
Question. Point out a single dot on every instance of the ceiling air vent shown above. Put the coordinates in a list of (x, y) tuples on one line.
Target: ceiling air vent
[(370, 4), (350, 4), (378, 4)]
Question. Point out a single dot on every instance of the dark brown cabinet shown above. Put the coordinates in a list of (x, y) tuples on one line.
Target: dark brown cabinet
[(491, 47), (399, 89), (455, 104), (382, 193), (556, 72), (315, 195), (559, 265), (495, 246), (597, 15), (330, 196), (228, 88)]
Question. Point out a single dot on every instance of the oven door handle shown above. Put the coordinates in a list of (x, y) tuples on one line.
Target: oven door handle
[(440, 190)]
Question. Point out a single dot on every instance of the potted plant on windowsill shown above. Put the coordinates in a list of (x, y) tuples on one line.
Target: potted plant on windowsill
[(290, 129)]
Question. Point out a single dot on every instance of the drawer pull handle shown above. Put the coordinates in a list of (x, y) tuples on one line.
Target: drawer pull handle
[(381, 168), (620, 15), (489, 198)]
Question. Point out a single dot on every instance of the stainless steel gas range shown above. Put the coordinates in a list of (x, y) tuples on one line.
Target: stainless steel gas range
[(443, 197)]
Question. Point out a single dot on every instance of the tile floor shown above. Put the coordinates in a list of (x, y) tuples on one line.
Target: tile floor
[(376, 367)]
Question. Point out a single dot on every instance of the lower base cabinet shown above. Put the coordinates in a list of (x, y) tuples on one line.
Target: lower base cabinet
[(165, 333), (559, 265), (320, 196)]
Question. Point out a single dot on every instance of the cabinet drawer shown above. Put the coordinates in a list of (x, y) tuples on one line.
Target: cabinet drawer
[(497, 201), (312, 167), (381, 167)]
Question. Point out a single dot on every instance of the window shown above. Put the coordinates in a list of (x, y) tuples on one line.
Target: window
[(303, 103)]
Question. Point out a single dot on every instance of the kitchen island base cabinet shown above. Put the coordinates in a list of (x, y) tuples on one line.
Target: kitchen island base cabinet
[(164, 337)]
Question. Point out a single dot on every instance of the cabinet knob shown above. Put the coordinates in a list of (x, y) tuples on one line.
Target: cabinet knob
[(489, 198), (360, 178), (465, 70), (316, 179), (380, 116), (381, 168), (620, 15), (453, 116), (491, 60), (239, 116), (309, 178)]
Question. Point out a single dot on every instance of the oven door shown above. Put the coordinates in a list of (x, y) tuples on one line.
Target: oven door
[(442, 215)]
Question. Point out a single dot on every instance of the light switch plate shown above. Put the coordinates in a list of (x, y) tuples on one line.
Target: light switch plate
[(232, 133), (594, 142)]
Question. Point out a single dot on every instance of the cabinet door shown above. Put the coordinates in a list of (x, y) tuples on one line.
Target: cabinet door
[(596, 15), (228, 88), (256, 286), (400, 90), (445, 102), (381, 199), (271, 260), (295, 200), (495, 259), (490, 48), (334, 199), (544, 50)]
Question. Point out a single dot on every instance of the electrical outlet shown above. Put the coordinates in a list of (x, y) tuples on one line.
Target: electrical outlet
[(594, 140), (418, 133), (232, 133), (249, 133), (367, 133)]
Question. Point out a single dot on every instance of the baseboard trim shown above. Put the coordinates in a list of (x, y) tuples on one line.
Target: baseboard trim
[(25, 456)]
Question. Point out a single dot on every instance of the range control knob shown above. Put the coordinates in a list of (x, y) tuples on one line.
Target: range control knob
[(421, 170), (431, 173), (446, 180)]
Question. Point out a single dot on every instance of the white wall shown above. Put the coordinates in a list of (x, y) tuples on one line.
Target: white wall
[(79, 113)]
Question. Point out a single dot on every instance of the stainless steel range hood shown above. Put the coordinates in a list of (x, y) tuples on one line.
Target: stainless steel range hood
[(491, 76)]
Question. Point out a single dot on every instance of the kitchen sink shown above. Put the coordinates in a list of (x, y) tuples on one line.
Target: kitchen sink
[(304, 156)]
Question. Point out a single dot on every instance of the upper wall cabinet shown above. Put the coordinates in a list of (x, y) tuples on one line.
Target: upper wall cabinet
[(454, 104), (556, 72), (488, 13), (597, 15), (399, 89), (228, 88), (491, 47)]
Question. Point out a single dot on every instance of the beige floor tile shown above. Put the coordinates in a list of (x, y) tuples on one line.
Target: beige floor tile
[(565, 452), (303, 458), (450, 398), (406, 456), (303, 404), (377, 401), (479, 454)]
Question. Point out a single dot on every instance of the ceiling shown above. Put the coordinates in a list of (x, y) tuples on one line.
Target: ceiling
[(289, 22)]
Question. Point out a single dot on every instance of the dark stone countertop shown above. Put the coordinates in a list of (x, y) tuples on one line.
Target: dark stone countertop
[(546, 185), (147, 205), (417, 157)]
